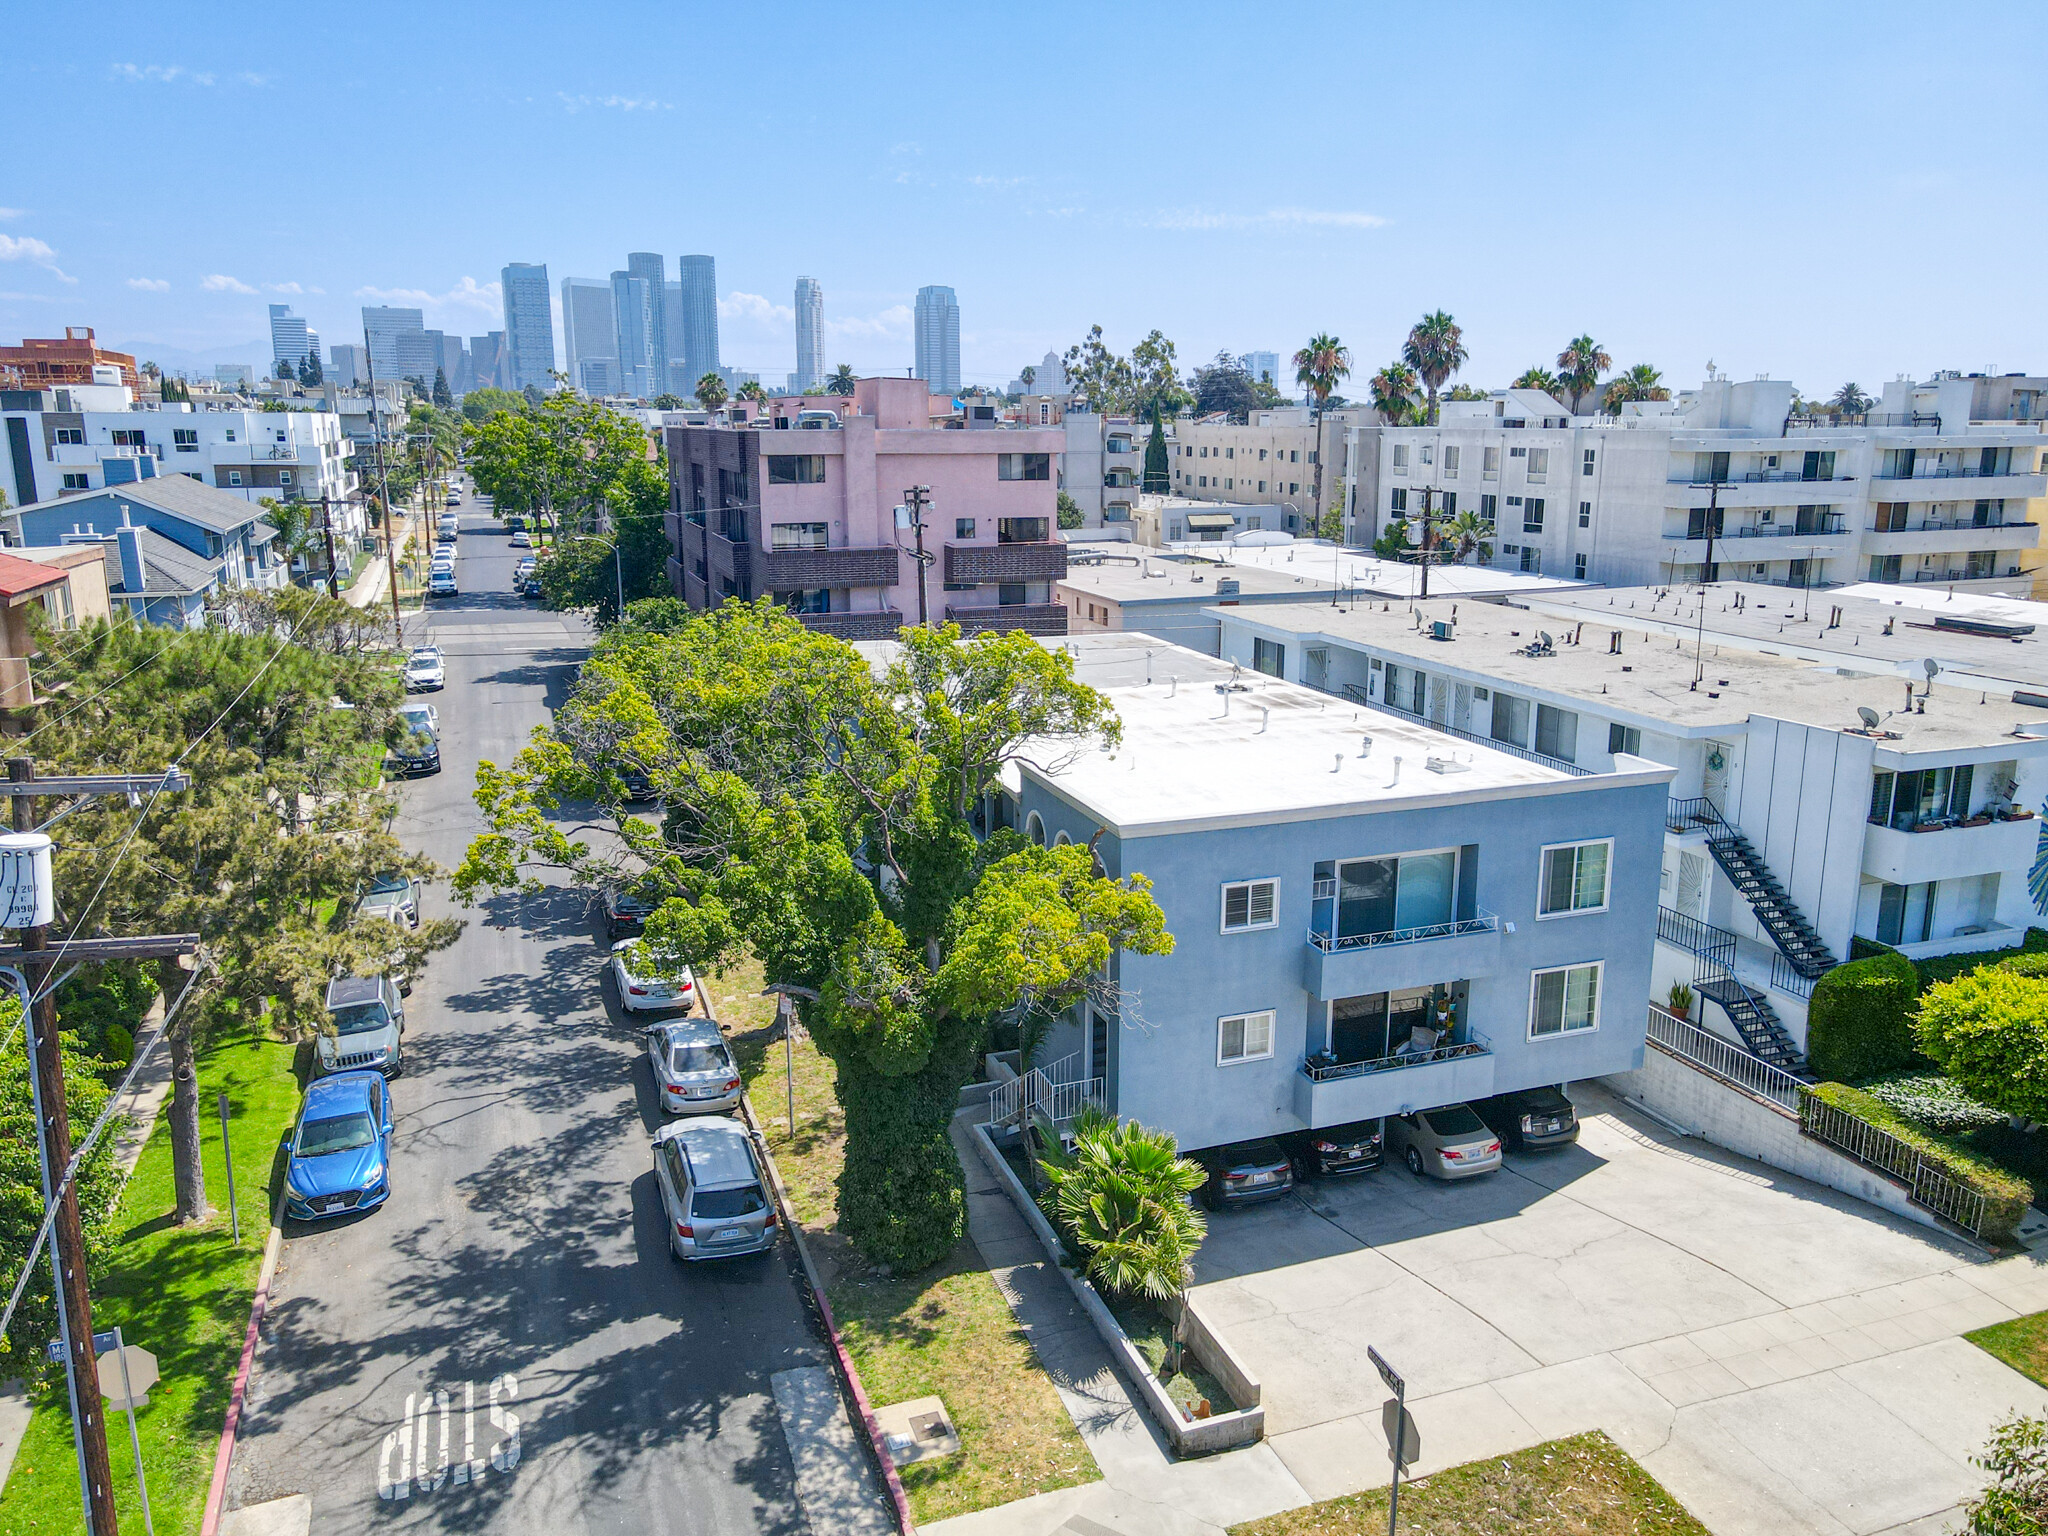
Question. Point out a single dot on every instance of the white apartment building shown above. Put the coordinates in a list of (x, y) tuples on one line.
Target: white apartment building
[(1725, 480), (1103, 465), (1813, 805), (60, 442), (1272, 460)]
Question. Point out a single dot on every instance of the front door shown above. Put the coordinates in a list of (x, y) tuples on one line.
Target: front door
[(1358, 1028)]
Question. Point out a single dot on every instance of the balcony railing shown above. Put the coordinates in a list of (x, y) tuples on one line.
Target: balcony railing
[(1829, 529), (1354, 692), (1696, 937), (785, 570), (1341, 943), (868, 625), (1721, 1058), (1759, 477), (1006, 562), (1950, 525), (1032, 618), (1955, 472), (1320, 1071), (1925, 419)]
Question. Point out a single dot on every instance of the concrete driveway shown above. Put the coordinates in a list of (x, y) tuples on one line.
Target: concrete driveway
[(1783, 1358)]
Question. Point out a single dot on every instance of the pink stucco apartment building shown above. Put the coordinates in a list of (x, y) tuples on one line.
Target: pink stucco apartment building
[(802, 507)]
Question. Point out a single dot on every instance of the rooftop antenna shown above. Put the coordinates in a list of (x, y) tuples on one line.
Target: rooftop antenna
[(1933, 669), (1868, 716)]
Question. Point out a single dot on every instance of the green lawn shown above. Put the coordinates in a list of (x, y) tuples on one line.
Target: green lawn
[(2021, 1344), (181, 1293), (946, 1331), (1584, 1486)]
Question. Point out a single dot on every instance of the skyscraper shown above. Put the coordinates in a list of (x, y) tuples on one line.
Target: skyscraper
[(290, 341), (529, 325), (652, 269), (938, 339), (1261, 365), (633, 324), (487, 354), (810, 335), (383, 325), (590, 335), (700, 319), (679, 380)]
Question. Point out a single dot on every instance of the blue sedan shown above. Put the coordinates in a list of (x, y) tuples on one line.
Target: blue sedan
[(341, 1148)]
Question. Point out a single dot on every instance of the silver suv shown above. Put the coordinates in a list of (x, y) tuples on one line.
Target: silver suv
[(369, 1027), (713, 1190)]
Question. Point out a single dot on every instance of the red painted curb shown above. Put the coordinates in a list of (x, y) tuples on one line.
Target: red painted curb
[(216, 1493)]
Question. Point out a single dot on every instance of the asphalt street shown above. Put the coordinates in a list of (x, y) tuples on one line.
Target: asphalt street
[(507, 1344)]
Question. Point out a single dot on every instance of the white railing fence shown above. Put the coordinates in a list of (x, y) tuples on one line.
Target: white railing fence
[(1722, 1058)]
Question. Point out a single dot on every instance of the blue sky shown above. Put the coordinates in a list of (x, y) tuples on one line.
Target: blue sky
[(1808, 192)]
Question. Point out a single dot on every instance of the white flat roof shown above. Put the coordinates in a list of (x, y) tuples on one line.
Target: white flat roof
[(1331, 565)]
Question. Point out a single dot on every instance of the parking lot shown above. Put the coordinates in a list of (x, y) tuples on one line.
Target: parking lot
[(1784, 1358)]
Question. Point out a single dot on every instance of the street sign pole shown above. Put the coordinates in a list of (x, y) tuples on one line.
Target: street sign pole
[(1404, 1442), (228, 1152), (134, 1435)]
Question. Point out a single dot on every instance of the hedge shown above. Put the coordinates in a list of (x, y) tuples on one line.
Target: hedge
[(2006, 1195), (1940, 968), (1859, 1023)]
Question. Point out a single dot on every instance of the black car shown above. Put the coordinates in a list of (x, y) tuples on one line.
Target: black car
[(1530, 1119), (1244, 1172), (417, 751), (626, 909), (1358, 1147), (639, 787)]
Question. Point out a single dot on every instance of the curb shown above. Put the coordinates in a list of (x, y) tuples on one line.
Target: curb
[(848, 1373), (216, 1493)]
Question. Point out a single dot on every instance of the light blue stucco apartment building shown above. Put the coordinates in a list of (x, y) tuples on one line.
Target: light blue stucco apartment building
[(1369, 918)]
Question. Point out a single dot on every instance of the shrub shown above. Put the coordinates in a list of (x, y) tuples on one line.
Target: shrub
[(1121, 1202), (1948, 967), (2016, 1502), (1989, 1031), (1859, 1022), (1933, 1102), (2006, 1196)]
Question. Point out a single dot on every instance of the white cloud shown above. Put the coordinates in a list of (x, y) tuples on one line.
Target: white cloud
[(149, 285), (467, 295), (160, 74), (907, 147), (292, 288), (13, 213), (1272, 218), (38, 253), (896, 321), (575, 104), (220, 282), (31, 298), (753, 307), (250, 77)]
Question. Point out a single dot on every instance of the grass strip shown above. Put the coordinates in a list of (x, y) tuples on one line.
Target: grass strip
[(1582, 1486), (945, 1332), (182, 1293), (2021, 1343)]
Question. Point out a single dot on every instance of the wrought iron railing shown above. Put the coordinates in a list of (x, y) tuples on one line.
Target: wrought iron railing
[(1700, 938), (1926, 1185), (1785, 977), (1722, 1058), (1698, 814), (1328, 1072), (1329, 943)]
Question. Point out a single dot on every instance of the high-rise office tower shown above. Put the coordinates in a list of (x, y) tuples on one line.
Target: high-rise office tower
[(679, 380), (529, 325), (810, 335), (345, 364), (700, 319), (938, 339), (633, 323), (652, 269), (383, 326), (487, 359), (290, 341), (1261, 365), (590, 335)]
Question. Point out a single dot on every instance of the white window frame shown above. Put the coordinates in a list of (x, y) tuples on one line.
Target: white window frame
[(1542, 865), (1599, 970), (1247, 1020), (1223, 904), (1034, 829)]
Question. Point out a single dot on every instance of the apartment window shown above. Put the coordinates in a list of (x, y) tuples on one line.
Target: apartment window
[(1574, 878), (1905, 913), (1557, 733), (1625, 738), (1539, 465), (1904, 800), (815, 600), (1253, 521), (1262, 485), (1564, 1000), (1230, 453), (1293, 488), (963, 527), (796, 469), (1398, 499), (1585, 514), (1294, 456), (1205, 451), (1429, 453), (231, 434), (1532, 559), (71, 437), (1450, 504), (1262, 455), (77, 482), (1518, 453), (1023, 466), (185, 439), (1450, 461), (797, 536), (284, 477), (1312, 456), (1400, 458), (1249, 904), (1532, 514), (696, 487), (1244, 1037), (1578, 567), (1489, 505), (1269, 657), (234, 477), (1489, 464), (1021, 530), (1406, 688), (1230, 485), (1586, 466), (1884, 568), (1510, 719), (1012, 594), (1202, 482)]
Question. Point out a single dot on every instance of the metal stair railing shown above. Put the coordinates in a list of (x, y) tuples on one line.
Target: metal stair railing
[(1056, 1091), (1714, 978), (1746, 870)]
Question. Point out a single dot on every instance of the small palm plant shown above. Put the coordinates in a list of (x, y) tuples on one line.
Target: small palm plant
[(1121, 1197)]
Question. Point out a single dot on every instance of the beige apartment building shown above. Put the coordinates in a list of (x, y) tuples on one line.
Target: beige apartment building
[(1277, 459)]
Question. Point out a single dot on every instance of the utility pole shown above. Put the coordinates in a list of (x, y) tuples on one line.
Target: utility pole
[(1428, 532), (384, 489), (915, 500), (327, 528), (1699, 665), (54, 1129)]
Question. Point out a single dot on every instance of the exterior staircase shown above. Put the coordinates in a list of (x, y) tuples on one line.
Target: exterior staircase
[(1801, 945), (1714, 979)]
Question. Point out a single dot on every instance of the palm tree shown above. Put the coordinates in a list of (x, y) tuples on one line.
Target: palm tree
[(1579, 367), (1850, 401), (1435, 349), (1321, 366), (1640, 383), (841, 382), (1393, 393), (1121, 1197), (1468, 534), (1538, 378), (711, 393), (752, 390)]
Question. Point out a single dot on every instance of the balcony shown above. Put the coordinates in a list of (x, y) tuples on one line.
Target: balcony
[(872, 625), (1032, 618), (1327, 1093), (1957, 537), (1353, 965), (1761, 477), (791, 570), (967, 563), (1830, 527), (1949, 852)]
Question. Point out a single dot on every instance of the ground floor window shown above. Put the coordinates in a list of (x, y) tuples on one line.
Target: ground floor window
[(1268, 657)]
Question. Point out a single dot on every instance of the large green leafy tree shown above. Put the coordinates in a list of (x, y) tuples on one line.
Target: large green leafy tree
[(1988, 1029), (820, 816), (588, 573), (279, 713), (480, 404), (559, 462), (1223, 385), (1146, 383)]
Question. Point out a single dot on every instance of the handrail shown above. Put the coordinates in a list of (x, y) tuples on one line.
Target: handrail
[(1786, 977), (1926, 1185), (1699, 814), (1696, 936), (1486, 922), (1344, 1069), (1710, 1053)]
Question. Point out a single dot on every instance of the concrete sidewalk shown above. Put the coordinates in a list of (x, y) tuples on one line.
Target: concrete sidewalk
[(1144, 1490)]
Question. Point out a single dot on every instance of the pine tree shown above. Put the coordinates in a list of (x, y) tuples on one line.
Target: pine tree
[(443, 399), (1157, 480)]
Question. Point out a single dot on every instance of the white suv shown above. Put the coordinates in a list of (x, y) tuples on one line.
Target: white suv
[(369, 1027)]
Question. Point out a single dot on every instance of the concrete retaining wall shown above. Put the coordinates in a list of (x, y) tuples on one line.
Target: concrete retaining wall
[(1715, 1111), (1190, 1437)]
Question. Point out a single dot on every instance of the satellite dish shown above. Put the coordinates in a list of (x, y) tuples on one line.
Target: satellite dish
[(1544, 635), (1868, 716), (1931, 666)]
